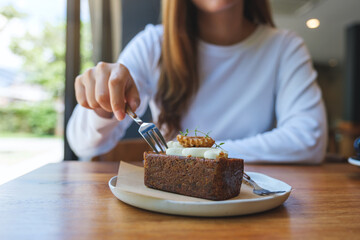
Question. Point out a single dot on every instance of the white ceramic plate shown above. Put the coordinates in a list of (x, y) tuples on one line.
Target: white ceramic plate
[(354, 161), (210, 208)]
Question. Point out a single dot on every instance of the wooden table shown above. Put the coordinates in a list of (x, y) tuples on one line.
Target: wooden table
[(71, 200)]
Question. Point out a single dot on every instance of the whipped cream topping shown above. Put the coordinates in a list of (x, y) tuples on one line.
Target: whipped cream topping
[(175, 148)]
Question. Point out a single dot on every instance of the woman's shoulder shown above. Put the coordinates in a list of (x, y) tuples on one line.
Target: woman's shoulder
[(154, 29), (151, 33), (280, 36), (148, 41)]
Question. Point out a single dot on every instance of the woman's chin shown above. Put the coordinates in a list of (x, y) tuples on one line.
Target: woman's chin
[(214, 6)]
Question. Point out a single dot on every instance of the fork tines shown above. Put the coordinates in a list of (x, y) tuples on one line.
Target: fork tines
[(149, 132), (153, 137)]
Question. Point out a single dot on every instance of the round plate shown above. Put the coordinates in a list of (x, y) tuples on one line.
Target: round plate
[(209, 208), (354, 161)]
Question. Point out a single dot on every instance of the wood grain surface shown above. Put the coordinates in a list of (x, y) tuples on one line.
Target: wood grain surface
[(72, 200)]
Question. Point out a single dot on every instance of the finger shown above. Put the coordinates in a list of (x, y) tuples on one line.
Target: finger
[(89, 82), (80, 92), (102, 94), (132, 95), (117, 82)]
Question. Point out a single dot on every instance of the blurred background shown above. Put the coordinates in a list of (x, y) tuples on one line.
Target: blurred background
[(45, 44)]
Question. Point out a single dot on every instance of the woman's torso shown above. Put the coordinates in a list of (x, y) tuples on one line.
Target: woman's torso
[(237, 94)]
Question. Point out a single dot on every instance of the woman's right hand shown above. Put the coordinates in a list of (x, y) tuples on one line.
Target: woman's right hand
[(106, 88)]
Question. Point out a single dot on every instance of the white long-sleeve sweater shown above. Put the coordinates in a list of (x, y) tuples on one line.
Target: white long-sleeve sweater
[(259, 97)]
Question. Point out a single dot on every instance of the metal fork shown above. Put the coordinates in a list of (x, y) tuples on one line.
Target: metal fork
[(149, 132), (257, 189)]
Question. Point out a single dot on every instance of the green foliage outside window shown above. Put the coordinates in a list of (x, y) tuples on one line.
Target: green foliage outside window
[(43, 64), (44, 56), (38, 118)]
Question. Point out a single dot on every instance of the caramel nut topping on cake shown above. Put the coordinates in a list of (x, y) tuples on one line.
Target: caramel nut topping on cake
[(197, 141), (223, 155)]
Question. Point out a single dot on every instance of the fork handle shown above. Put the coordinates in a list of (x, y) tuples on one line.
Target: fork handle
[(248, 180), (132, 115), (130, 112)]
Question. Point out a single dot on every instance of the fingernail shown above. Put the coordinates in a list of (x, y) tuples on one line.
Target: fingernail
[(118, 115), (134, 105)]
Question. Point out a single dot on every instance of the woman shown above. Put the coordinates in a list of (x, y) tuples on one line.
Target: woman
[(218, 65)]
